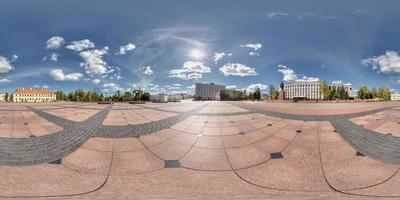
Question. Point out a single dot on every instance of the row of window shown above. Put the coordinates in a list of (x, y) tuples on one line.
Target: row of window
[(34, 95)]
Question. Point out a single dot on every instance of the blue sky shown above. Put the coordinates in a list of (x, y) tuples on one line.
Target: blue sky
[(171, 45)]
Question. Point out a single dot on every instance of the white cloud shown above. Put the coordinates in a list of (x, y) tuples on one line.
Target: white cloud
[(219, 56), (80, 45), (14, 58), (274, 14), (252, 87), (59, 75), (126, 48), (54, 57), (43, 86), (252, 53), (237, 69), (190, 70), (289, 75), (337, 82), (5, 80), (255, 46), (231, 87), (389, 62), (93, 61), (96, 81), (329, 17), (398, 82), (191, 87), (177, 85), (147, 70), (5, 65), (112, 86), (54, 42)]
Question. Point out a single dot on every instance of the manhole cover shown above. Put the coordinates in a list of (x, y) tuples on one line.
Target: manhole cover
[(172, 164), (276, 155), (298, 131)]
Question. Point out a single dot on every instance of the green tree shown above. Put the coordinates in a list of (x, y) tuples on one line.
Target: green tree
[(384, 93), (6, 96), (324, 90), (363, 93), (257, 94)]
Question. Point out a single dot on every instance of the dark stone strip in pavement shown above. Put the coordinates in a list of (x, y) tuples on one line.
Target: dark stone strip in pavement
[(379, 146), (43, 149)]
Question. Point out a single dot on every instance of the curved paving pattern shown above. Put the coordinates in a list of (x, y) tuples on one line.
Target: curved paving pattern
[(51, 147), (242, 152)]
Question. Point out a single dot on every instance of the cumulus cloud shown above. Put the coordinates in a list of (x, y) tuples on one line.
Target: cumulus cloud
[(54, 57), (147, 70), (329, 17), (126, 48), (59, 75), (219, 56), (289, 75), (252, 87), (113, 87), (54, 42), (190, 70), (191, 87), (237, 69), (255, 46), (93, 61), (254, 53), (80, 45), (5, 65), (274, 14), (96, 81), (5, 80), (231, 87), (14, 58), (389, 62)]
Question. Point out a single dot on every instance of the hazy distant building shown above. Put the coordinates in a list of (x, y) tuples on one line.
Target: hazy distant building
[(3, 97), (312, 90), (33, 95), (395, 96), (159, 98), (208, 91)]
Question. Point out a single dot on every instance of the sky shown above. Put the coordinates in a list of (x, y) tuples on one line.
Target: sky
[(168, 46)]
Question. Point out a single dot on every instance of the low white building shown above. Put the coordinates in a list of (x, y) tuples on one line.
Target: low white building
[(395, 96), (159, 98), (312, 90), (3, 97), (33, 95), (208, 91)]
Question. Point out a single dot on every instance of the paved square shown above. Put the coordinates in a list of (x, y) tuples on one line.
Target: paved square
[(204, 149)]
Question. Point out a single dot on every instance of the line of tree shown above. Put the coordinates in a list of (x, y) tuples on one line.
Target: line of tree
[(237, 95), (333, 93), (273, 93), (375, 93), (96, 95)]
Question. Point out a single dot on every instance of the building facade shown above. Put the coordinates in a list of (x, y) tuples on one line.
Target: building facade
[(208, 91), (33, 95), (395, 96), (312, 90), (3, 97)]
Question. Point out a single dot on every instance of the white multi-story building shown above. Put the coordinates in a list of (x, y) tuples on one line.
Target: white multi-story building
[(208, 91), (33, 95), (312, 90), (395, 96)]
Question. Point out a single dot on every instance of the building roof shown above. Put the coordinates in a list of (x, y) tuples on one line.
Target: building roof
[(33, 91)]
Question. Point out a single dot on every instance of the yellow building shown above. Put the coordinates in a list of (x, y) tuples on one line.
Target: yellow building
[(33, 95)]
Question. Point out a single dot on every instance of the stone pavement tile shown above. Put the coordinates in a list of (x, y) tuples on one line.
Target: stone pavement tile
[(389, 127), (136, 162), (167, 133), (184, 138), (298, 170), (99, 144), (209, 142), (127, 144), (176, 183), (88, 161), (169, 150), (205, 159), (246, 156), (151, 139), (45, 179), (344, 170), (212, 131), (229, 130)]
